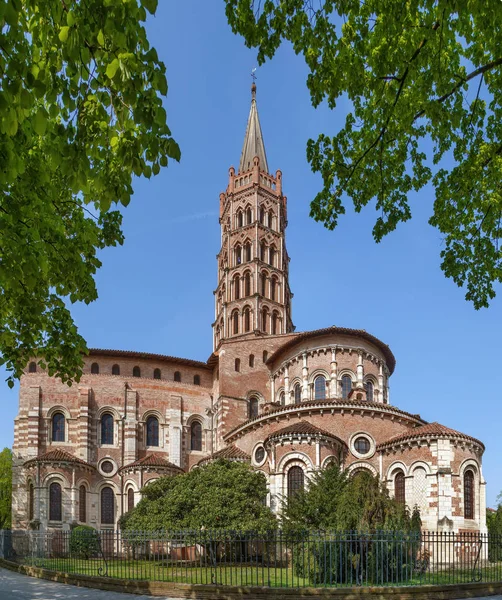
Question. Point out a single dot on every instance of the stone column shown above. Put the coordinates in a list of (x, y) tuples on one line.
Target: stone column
[(130, 427), (272, 388), (360, 370), (380, 382), (175, 431), (286, 384), (305, 378), (333, 391)]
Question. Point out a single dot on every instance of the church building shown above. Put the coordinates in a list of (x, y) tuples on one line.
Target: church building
[(287, 402)]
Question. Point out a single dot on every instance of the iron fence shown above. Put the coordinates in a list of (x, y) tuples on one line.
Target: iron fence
[(275, 559)]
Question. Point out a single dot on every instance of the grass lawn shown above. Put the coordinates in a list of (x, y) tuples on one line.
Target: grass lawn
[(245, 575)]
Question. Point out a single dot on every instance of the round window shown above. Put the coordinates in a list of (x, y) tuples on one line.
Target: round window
[(259, 454), (107, 466), (362, 445)]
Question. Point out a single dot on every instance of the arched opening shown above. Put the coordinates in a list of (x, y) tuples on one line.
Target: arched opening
[(236, 284), (152, 431), (107, 429), (157, 374), (248, 252), (136, 372), (235, 321), (95, 369), (320, 388), (263, 249), (196, 379), (238, 254), (196, 436), (282, 399), (298, 393), (346, 386), (115, 370), (275, 319), (82, 504), (55, 502), (177, 376), (368, 386), (58, 427), (271, 255), (239, 219), (400, 488), (262, 215), (130, 499), (251, 360), (469, 494), (247, 284), (32, 367), (264, 320), (237, 364), (253, 405), (31, 502), (273, 287), (270, 219), (296, 481), (247, 320), (263, 278), (249, 216), (107, 506)]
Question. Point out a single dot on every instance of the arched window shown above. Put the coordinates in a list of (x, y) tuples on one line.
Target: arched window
[(235, 321), (196, 436), (55, 502), (248, 252), (32, 368), (107, 429), (253, 407), (296, 481), (263, 284), (469, 495), (274, 322), (31, 502), (265, 356), (270, 219), (196, 379), (107, 506), (237, 364), (249, 216), (177, 376), (282, 399), (152, 431), (298, 393), (320, 388), (58, 427), (273, 285), (262, 215), (251, 360), (263, 249), (346, 386), (400, 488), (238, 255), (136, 372), (247, 284), (247, 319), (271, 255), (237, 294), (264, 320), (157, 374), (239, 219), (368, 386), (82, 504), (115, 370), (130, 499), (95, 369)]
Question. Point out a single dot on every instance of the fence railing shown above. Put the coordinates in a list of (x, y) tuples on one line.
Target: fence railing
[(276, 559)]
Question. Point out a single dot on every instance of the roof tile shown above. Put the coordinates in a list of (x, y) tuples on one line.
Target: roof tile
[(58, 455), (434, 430), (152, 460)]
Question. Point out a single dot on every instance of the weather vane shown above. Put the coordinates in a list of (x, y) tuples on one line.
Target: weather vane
[(253, 74)]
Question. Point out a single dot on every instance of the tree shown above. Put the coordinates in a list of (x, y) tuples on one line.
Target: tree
[(425, 83), (221, 495), (81, 113), (5, 488)]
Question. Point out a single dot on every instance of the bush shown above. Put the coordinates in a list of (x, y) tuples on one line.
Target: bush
[(84, 542)]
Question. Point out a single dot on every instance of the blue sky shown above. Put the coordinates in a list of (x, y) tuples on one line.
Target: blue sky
[(155, 292)]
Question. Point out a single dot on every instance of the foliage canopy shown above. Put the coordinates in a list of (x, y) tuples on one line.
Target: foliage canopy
[(424, 79), (80, 114), (220, 495), (5, 488)]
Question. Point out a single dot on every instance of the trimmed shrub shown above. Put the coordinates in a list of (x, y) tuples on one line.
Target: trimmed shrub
[(84, 542)]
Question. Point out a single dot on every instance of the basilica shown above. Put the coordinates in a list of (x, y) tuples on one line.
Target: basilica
[(286, 402)]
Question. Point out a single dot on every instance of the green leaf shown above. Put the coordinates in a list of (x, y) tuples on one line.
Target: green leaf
[(63, 34), (101, 38), (70, 18), (150, 5), (112, 68), (40, 121)]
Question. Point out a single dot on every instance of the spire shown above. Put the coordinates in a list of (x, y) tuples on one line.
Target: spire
[(253, 141)]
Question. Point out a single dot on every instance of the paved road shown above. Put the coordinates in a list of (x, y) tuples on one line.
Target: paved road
[(14, 586)]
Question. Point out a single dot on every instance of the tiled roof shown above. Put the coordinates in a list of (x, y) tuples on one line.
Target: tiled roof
[(302, 428), (133, 354), (230, 453), (327, 403), (389, 357), (431, 430), (58, 455), (152, 460)]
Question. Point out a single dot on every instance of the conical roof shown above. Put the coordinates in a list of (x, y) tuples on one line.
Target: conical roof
[(253, 141)]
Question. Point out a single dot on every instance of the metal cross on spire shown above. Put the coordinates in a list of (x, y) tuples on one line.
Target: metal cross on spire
[(253, 74)]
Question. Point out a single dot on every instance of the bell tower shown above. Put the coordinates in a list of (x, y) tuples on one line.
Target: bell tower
[(253, 295)]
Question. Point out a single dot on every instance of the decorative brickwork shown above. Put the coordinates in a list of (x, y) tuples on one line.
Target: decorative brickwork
[(289, 403)]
